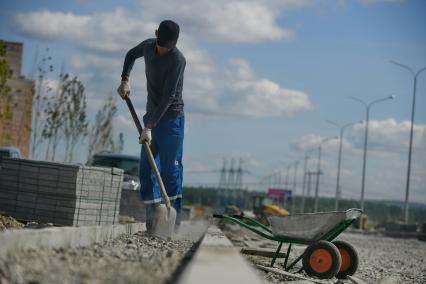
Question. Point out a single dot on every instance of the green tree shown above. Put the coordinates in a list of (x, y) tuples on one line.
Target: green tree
[(101, 136), (55, 118), (75, 125), (119, 145), (40, 99)]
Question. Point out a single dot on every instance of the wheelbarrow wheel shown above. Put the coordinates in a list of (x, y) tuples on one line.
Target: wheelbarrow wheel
[(322, 259), (349, 259)]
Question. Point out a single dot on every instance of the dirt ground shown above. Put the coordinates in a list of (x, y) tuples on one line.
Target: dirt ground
[(382, 259), (137, 258)]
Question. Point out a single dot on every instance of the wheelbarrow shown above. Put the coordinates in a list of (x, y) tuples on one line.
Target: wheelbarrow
[(323, 258)]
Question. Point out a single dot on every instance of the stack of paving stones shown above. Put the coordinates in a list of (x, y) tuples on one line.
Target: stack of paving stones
[(61, 194)]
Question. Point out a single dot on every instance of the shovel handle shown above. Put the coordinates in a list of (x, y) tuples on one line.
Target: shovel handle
[(149, 152), (134, 115)]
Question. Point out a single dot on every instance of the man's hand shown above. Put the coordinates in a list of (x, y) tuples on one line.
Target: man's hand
[(124, 89), (145, 136)]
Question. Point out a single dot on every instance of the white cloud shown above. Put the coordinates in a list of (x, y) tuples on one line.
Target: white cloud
[(388, 135), (259, 97), (239, 21), (242, 21), (251, 96), (103, 38), (387, 158), (311, 142), (106, 32), (384, 136)]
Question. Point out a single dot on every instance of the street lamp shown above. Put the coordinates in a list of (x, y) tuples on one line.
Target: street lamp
[(286, 176), (319, 171), (293, 203), (342, 129), (367, 119), (407, 188), (305, 172), (305, 165)]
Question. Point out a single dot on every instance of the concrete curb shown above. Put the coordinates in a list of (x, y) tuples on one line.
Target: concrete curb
[(218, 261), (57, 237)]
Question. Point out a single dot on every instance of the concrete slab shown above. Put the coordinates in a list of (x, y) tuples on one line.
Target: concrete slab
[(12, 240), (218, 261), (31, 189)]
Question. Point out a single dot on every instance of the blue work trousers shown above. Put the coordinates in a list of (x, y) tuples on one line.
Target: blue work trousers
[(167, 148)]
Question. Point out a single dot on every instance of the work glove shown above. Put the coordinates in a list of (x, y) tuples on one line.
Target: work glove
[(145, 136), (124, 89)]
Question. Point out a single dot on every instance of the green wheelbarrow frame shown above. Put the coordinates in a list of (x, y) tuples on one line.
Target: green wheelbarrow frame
[(266, 232)]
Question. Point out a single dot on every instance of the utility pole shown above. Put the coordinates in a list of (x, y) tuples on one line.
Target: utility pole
[(286, 177), (336, 206), (364, 160), (239, 178), (309, 182), (293, 203), (318, 177), (305, 165), (310, 174), (222, 180), (279, 179), (319, 172), (410, 149), (339, 161)]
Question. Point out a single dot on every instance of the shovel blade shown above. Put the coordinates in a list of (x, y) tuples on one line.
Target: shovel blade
[(164, 223)]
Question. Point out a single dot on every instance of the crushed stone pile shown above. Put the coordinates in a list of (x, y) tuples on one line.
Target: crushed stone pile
[(7, 222), (138, 258)]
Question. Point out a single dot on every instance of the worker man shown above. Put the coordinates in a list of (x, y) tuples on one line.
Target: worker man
[(164, 119)]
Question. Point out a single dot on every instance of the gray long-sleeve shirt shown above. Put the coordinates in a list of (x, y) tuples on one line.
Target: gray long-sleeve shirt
[(164, 79)]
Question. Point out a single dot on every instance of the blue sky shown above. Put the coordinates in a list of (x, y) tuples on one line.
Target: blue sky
[(262, 78)]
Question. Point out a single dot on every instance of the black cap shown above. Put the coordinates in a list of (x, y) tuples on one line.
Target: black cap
[(168, 34)]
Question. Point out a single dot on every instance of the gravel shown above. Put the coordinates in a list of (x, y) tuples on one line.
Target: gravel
[(398, 260), (7, 222), (382, 259), (137, 258)]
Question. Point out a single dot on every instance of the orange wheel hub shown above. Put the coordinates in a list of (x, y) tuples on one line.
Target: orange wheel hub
[(346, 260), (321, 260)]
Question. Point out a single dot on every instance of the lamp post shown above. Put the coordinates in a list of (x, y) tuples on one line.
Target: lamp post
[(293, 203), (319, 171), (407, 187), (305, 165), (305, 172), (339, 161), (367, 119), (286, 176)]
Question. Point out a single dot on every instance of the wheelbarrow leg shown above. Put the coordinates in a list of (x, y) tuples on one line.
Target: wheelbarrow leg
[(287, 255), (294, 262), (276, 254)]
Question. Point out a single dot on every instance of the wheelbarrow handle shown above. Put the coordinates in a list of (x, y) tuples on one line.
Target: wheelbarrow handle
[(236, 216), (220, 216)]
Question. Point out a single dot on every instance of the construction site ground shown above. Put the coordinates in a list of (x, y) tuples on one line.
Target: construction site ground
[(140, 258), (134, 258), (381, 259)]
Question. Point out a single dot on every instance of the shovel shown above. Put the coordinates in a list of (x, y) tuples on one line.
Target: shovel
[(165, 214)]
